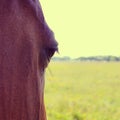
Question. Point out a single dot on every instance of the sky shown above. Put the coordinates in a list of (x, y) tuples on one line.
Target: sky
[(84, 27)]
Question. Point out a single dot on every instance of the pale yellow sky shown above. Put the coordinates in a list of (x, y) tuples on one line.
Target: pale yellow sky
[(84, 27)]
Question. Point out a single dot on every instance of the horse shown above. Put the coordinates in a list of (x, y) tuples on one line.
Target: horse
[(26, 47)]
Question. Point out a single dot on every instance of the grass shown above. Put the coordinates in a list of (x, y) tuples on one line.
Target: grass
[(83, 91)]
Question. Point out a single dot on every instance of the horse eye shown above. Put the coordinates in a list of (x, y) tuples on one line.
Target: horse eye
[(50, 51)]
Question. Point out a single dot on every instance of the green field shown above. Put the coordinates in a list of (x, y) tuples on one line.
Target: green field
[(83, 91)]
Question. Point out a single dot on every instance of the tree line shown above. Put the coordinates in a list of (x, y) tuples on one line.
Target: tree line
[(90, 58)]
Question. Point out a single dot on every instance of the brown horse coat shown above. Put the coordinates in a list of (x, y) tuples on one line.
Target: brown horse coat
[(26, 46)]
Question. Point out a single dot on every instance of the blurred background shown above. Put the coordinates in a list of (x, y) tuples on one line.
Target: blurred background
[(83, 81), (84, 27)]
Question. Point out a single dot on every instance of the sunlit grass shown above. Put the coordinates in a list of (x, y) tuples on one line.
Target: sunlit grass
[(83, 91)]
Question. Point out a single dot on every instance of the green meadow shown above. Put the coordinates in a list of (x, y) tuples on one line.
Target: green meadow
[(83, 91)]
